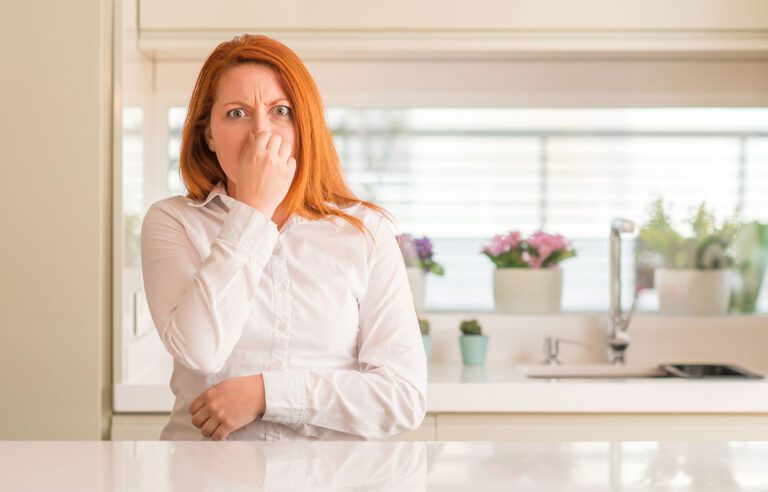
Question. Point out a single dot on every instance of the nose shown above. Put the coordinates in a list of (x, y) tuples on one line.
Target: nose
[(261, 123)]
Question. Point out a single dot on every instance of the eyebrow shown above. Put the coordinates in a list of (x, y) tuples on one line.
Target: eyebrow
[(243, 103)]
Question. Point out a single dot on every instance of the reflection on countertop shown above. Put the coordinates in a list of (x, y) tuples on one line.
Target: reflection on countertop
[(401, 466)]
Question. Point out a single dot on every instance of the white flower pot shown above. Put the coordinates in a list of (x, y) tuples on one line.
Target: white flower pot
[(702, 292), (527, 290), (417, 281)]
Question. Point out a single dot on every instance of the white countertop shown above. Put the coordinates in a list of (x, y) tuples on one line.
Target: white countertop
[(402, 466), (503, 388)]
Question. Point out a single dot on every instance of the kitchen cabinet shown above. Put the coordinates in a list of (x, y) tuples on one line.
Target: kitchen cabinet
[(138, 427), (147, 427), (600, 427), (520, 427)]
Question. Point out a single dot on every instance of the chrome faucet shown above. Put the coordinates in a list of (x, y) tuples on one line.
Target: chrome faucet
[(618, 321), (552, 349)]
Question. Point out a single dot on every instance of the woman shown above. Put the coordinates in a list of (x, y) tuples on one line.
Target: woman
[(282, 298)]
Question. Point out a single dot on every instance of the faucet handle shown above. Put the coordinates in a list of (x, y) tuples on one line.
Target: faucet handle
[(552, 348), (622, 225)]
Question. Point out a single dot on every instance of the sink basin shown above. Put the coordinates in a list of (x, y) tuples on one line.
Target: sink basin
[(592, 371), (687, 371), (708, 371)]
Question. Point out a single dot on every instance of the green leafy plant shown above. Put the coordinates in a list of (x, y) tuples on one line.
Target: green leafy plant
[(750, 258), (471, 327), (424, 326), (706, 247)]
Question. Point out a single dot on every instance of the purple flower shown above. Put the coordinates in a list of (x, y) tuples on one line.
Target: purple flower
[(418, 253), (423, 247)]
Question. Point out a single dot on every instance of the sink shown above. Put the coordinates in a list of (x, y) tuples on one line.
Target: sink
[(709, 371), (621, 371)]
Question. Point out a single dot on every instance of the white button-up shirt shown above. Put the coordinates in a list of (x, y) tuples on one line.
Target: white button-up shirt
[(323, 312)]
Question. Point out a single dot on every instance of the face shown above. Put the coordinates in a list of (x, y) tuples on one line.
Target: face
[(249, 98)]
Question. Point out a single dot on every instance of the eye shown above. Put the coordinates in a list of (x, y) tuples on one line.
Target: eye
[(236, 113), (283, 110)]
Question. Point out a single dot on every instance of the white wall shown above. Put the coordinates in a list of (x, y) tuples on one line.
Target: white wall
[(55, 219)]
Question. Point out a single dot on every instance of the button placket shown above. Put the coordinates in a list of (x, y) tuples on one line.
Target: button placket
[(282, 297), (281, 334)]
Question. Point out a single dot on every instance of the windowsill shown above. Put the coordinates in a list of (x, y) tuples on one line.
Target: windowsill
[(491, 312)]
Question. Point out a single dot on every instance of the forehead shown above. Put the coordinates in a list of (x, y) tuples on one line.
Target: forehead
[(249, 81)]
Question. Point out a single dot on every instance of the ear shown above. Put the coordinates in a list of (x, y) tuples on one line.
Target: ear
[(209, 139)]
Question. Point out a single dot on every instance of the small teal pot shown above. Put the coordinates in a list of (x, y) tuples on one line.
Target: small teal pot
[(427, 339), (473, 349)]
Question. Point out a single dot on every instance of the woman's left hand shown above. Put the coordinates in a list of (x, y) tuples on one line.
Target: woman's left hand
[(228, 406)]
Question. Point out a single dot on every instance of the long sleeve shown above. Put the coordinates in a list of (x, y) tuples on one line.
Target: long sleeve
[(387, 395), (199, 305)]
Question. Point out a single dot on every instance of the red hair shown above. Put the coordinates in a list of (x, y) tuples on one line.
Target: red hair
[(318, 180)]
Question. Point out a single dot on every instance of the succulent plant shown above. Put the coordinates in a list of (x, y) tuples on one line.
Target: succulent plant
[(471, 327), (424, 326)]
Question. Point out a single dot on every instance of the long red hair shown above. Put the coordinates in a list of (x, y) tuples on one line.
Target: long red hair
[(318, 181)]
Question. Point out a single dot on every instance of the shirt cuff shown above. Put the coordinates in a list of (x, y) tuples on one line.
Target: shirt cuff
[(249, 231), (286, 397)]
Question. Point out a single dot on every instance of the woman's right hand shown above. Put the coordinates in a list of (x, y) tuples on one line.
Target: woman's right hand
[(265, 172)]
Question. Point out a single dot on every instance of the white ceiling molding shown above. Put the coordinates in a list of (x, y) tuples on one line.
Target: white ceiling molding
[(462, 29), (455, 15)]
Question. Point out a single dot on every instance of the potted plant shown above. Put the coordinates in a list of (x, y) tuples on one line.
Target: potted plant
[(426, 338), (750, 256), (528, 278), (474, 344), (418, 257), (691, 270)]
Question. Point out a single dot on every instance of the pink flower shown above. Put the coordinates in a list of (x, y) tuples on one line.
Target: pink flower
[(513, 238), (496, 247), (546, 244), (533, 261), (501, 244), (536, 251)]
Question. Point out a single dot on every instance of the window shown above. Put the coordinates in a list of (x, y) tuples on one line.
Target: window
[(176, 117), (133, 210), (460, 176)]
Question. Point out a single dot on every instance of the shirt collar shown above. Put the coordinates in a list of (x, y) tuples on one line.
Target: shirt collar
[(220, 191)]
